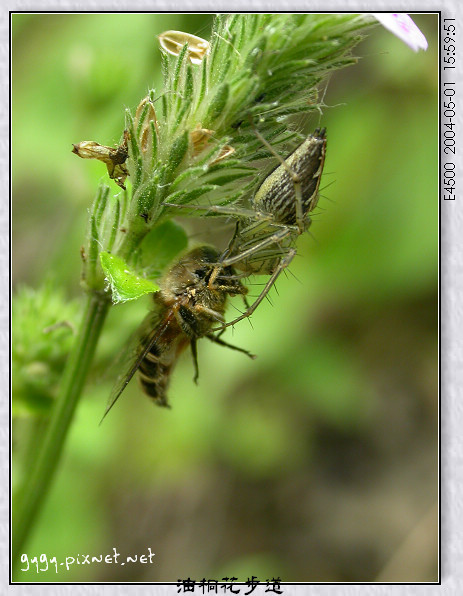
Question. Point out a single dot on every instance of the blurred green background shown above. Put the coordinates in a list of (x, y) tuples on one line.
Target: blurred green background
[(318, 460)]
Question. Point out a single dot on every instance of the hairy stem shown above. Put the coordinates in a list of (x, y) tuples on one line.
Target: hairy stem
[(36, 487)]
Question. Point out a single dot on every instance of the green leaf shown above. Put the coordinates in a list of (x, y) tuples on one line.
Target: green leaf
[(160, 247), (177, 153), (217, 105), (125, 284), (182, 197)]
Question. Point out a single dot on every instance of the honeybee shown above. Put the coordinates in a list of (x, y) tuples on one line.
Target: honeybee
[(186, 308)]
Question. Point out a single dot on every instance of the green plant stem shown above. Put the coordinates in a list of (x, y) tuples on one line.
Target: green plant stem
[(39, 480)]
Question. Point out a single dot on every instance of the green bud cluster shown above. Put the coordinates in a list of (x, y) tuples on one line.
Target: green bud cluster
[(43, 327), (195, 142)]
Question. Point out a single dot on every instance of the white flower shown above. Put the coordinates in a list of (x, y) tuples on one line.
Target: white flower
[(404, 28)]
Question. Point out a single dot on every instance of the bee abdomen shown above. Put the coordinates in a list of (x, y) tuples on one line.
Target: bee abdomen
[(154, 376)]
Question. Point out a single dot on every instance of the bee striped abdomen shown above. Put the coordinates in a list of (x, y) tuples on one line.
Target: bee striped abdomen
[(156, 367), (154, 375)]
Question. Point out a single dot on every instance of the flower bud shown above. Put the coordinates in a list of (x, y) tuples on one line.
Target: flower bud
[(200, 137), (144, 116)]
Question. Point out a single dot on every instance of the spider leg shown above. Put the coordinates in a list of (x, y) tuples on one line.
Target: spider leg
[(284, 262), (219, 341)]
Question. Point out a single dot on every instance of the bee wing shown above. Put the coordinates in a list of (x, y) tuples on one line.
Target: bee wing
[(131, 357)]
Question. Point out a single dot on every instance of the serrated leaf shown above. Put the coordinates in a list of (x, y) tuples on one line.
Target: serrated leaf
[(125, 284)]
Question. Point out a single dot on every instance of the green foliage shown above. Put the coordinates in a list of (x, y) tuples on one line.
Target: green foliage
[(125, 284), (43, 328), (102, 228), (200, 147), (157, 250), (259, 65)]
